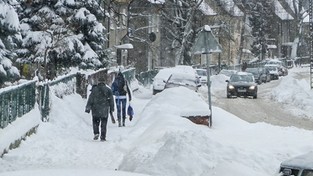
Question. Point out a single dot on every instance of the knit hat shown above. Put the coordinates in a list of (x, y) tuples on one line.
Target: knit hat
[(101, 79), (120, 74)]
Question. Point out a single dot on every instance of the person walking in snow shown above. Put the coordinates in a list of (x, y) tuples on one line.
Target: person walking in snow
[(100, 102), (120, 88)]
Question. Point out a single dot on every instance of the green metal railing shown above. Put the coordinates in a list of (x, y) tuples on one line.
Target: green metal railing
[(60, 87), (16, 101)]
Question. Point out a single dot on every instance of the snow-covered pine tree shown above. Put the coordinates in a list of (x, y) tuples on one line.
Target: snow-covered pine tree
[(59, 34), (9, 41)]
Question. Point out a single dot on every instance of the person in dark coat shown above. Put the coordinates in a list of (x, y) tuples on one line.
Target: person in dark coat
[(100, 102), (244, 66), (120, 88)]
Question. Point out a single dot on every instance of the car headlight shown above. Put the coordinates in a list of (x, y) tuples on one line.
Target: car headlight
[(252, 87), (231, 87)]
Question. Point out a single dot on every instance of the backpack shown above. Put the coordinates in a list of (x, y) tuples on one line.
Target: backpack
[(121, 87)]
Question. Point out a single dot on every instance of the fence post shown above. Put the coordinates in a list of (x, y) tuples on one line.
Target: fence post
[(44, 101), (2, 111), (81, 85)]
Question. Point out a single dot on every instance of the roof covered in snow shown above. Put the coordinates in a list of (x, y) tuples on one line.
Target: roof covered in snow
[(206, 9), (231, 7), (281, 12), (157, 1)]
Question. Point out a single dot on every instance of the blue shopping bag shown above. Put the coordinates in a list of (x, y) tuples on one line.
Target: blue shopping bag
[(130, 112)]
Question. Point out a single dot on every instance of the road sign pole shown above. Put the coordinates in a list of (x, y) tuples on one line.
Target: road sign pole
[(207, 44), (207, 55)]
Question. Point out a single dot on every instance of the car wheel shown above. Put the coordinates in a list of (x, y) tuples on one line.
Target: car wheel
[(228, 95), (255, 96)]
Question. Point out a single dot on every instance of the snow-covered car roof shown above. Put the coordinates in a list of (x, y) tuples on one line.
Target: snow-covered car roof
[(274, 62), (304, 161), (271, 65), (165, 73), (244, 73), (190, 103), (184, 75)]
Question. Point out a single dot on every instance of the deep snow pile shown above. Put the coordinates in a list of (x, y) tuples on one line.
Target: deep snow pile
[(158, 141), (296, 94)]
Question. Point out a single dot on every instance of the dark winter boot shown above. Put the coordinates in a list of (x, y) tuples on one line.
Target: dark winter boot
[(96, 137), (123, 122), (119, 123)]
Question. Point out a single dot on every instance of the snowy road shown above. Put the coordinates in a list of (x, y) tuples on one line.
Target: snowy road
[(263, 109)]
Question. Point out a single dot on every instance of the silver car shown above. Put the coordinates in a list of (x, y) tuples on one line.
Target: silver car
[(274, 71), (183, 79), (301, 165)]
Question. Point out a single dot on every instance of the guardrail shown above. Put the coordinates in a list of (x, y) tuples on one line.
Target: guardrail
[(60, 87), (16, 101)]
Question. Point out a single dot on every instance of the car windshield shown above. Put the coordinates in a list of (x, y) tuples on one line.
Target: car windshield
[(182, 79), (307, 173), (241, 78), (272, 68), (252, 70), (201, 72)]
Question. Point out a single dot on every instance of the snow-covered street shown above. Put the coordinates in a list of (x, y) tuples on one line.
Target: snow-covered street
[(160, 142), (283, 102)]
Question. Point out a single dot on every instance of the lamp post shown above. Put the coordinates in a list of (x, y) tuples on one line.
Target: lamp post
[(207, 44)]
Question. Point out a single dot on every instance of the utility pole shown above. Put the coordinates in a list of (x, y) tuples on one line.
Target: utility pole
[(311, 42)]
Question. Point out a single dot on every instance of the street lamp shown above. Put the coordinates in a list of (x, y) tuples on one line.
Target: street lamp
[(207, 44), (123, 50)]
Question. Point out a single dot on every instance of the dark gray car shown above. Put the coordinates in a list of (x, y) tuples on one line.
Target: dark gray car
[(242, 84), (265, 74), (256, 73)]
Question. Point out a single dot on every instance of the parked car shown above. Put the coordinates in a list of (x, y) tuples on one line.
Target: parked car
[(282, 69), (274, 72), (301, 165), (242, 84), (183, 79), (257, 74), (163, 75), (266, 76), (202, 76)]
